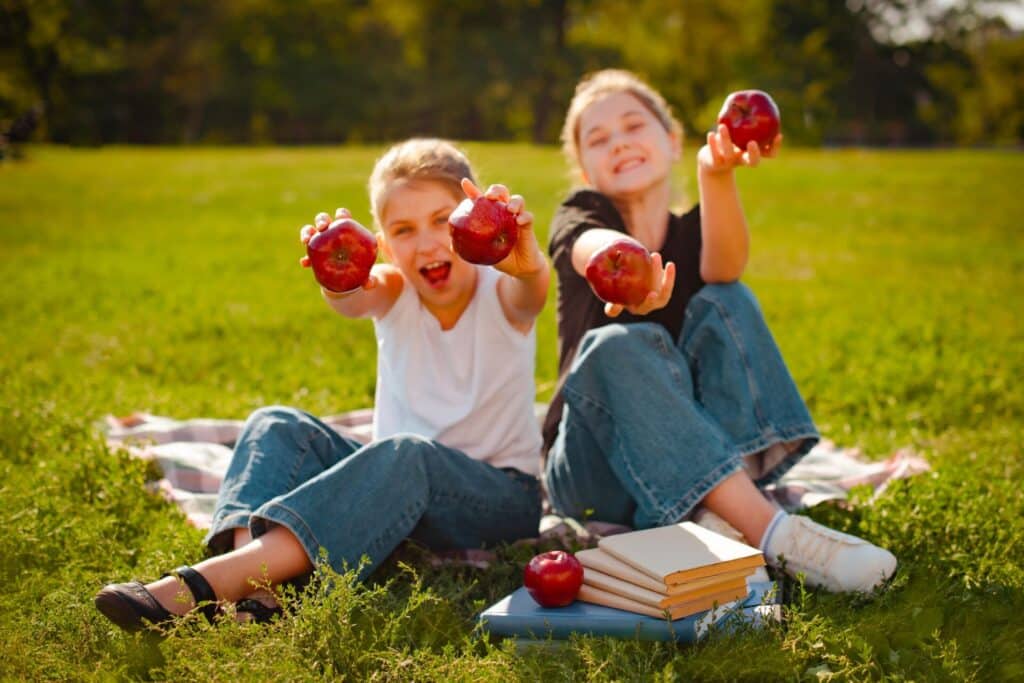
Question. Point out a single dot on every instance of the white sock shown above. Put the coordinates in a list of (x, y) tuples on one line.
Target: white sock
[(771, 537)]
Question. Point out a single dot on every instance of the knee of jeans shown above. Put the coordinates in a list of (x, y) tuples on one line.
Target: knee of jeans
[(622, 341), (285, 414), (406, 453), (736, 297), (615, 339)]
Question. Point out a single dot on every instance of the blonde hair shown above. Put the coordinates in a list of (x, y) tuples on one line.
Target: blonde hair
[(417, 159), (599, 84)]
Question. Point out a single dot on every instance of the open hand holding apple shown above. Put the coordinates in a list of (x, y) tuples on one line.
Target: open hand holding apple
[(341, 253), (553, 578), (484, 230), (751, 115), (625, 275)]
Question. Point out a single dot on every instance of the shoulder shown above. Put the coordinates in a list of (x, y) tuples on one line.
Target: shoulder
[(580, 211)]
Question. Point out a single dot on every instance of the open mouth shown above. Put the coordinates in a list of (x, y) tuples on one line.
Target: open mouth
[(436, 272), (628, 164)]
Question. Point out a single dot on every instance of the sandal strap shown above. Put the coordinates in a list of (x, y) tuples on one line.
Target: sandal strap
[(202, 592)]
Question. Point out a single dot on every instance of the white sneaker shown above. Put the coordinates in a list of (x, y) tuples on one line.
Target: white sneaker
[(828, 558)]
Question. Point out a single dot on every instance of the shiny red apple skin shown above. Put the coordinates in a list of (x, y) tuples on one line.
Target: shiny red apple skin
[(620, 272), (553, 579), (751, 115), (483, 230), (342, 255)]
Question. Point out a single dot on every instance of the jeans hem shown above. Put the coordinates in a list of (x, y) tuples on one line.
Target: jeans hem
[(226, 522), (291, 520), (807, 433), (697, 492)]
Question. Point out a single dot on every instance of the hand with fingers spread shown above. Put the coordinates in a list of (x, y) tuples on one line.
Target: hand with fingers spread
[(721, 155), (341, 253), (624, 275)]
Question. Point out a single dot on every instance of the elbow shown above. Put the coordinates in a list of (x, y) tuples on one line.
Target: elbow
[(722, 273)]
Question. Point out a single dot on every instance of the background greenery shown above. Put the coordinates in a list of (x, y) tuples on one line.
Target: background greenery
[(146, 71), (167, 280)]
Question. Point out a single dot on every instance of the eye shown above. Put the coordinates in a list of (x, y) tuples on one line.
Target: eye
[(441, 220), (634, 125), (597, 140), (401, 230)]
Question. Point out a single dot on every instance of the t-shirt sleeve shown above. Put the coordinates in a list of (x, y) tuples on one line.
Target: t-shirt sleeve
[(582, 211)]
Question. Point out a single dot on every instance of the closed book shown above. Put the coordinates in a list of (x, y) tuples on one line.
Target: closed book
[(599, 596), (592, 577), (681, 552), (599, 560), (518, 616)]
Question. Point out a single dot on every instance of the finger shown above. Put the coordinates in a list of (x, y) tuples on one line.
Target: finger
[(371, 283), (471, 190), (516, 203), (753, 155), (668, 283), (726, 139), (306, 233), (322, 220), (304, 262), (342, 212), (773, 149), (612, 310), (716, 154), (497, 193), (656, 275), (525, 218)]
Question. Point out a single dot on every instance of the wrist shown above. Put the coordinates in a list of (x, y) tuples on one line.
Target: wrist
[(331, 294)]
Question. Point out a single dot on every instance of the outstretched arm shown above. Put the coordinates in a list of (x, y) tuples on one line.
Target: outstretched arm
[(724, 234), (523, 289)]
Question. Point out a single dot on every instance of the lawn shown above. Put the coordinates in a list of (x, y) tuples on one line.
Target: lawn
[(167, 280)]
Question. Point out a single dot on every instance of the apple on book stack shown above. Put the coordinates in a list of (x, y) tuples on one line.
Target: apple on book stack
[(681, 569)]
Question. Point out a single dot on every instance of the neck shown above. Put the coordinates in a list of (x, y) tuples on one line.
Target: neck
[(448, 314), (645, 214)]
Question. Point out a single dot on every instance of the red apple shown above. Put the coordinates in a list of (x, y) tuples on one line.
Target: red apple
[(620, 272), (483, 230), (553, 578), (750, 115), (342, 255)]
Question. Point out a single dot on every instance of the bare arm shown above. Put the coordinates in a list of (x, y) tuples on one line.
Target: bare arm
[(724, 234), (374, 299)]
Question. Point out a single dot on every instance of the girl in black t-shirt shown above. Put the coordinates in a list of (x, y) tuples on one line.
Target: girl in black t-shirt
[(682, 403)]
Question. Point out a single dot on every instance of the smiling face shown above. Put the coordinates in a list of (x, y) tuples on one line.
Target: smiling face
[(624, 150), (415, 238)]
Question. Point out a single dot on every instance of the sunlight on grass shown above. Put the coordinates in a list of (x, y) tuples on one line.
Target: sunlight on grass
[(167, 280)]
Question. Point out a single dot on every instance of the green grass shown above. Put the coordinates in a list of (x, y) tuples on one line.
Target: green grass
[(166, 280)]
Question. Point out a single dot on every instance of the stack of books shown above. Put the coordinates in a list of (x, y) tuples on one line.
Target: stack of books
[(680, 569)]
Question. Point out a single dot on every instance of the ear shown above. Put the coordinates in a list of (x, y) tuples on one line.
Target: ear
[(385, 248), (676, 140)]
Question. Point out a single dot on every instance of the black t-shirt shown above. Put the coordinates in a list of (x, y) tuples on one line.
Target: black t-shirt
[(580, 310)]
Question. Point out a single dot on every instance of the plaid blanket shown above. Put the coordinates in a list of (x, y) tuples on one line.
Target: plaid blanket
[(193, 456)]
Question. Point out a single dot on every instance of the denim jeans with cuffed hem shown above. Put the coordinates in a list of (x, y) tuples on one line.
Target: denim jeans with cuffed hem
[(651, 424), (351, 500)]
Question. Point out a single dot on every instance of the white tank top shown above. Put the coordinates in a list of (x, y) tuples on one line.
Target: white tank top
[(470, 388)]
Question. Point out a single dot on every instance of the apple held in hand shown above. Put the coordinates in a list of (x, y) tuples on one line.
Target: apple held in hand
[(620, 272), (342, 255), (553, 578), (483, 230), (750, 115)]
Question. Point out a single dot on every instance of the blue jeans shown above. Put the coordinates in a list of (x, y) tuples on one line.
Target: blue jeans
[(291, 469), (651, 424)]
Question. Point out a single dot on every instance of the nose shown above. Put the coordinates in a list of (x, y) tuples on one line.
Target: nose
[(431, 241)]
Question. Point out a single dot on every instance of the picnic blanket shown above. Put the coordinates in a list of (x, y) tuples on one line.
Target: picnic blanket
[(193, 456)]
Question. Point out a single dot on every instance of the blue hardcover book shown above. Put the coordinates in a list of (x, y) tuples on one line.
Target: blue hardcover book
[(517, 615)]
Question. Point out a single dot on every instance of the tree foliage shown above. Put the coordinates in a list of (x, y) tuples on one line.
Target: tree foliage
[(151, 71)]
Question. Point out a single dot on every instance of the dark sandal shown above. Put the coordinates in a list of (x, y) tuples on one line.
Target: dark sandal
[(133, 608), (261, 614)]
